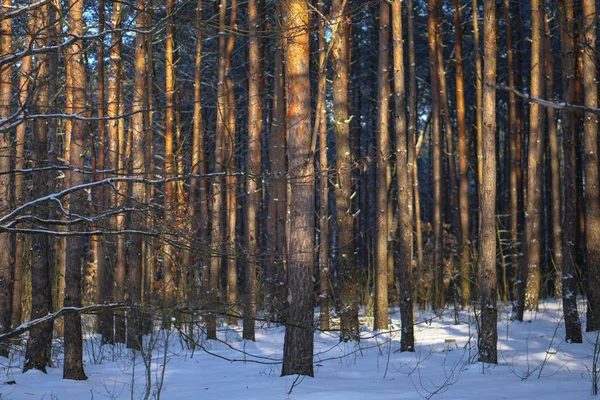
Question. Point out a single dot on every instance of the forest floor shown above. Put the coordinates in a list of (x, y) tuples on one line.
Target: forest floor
[(534, 361)]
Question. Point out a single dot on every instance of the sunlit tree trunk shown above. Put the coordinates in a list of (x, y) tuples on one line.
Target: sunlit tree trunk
[(299, 341), (488, 333), (528, 286), (254, 160), (170, 205), (321, 131), (113, 163), (569, 276), (198, 184), (231, 169), (76, 98), (592, 196), (382, 174), (138, 162), (5, 147), (25, 88)]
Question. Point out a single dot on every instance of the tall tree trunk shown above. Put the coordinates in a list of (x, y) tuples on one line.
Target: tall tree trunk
[(569, 275), (231, 169), (104, 289), (382, 174), (217, 231), (138, 162), (463, 161), (412, 156), (592, 195), (170, 207), (38, 349), (76, 98), (277, 220), (528, 286), (5, 246), (198, 183), (478, 105), (438, 262), (25, 88), (488, 333), (514, 143), (254, 160), (407, 340), (347, 270), (321, 131), (556, 200), (299, 336), (113, 109)]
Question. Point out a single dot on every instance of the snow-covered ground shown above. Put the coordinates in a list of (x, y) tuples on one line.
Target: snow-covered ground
[(534, 361)]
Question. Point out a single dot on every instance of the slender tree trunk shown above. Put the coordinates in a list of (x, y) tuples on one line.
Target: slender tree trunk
[(277, 220), (438, 262), (478, 104), (488, 333), (231, 170), (569, 275), (412, 156), (217, 232), (383, 160), (463, 162), (321, 131), (514, 139), (115, 247), (76, 98), (407, 340), (528, 286), (25, 88), (138, 162), (38, 349), (169, 256), (5, 110), (592, 196), (554, 165), (198, 183), (299, 335), (254, 161), (347, 270)]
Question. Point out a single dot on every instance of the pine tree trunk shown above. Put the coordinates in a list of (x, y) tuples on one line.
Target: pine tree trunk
[(137, 189), (488, 333), (438, 259), (299, 335), (277, 206), (321, 131), (569, 261), (383, 160), (528, 285), (25, 88), (407, 339), (5, 187), (38, 349), (217, 230), (592, 195), (347, 270), (76, 97), (463, 162), (556, 199), (254, 160)]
